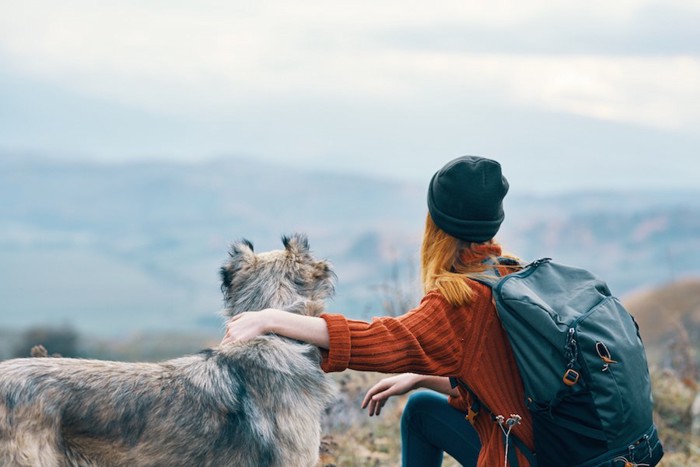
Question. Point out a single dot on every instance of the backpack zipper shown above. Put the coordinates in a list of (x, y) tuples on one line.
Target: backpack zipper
[(526, 271)]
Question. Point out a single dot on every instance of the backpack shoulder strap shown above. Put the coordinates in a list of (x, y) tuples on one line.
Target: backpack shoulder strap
[(491, 278), (492, 275)]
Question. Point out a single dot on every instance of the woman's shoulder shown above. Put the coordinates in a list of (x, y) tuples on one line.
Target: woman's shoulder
[(482, 294), (433, 296)]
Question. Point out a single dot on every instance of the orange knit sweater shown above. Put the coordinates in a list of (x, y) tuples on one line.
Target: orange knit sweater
[(439, 339)]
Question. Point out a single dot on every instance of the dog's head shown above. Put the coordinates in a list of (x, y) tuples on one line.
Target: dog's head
[(290, 279)]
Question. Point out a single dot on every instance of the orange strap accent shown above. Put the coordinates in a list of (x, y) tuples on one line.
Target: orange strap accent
[(570, 377), (471, 415)]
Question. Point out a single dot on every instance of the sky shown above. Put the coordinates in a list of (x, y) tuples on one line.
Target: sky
[(567, 95)]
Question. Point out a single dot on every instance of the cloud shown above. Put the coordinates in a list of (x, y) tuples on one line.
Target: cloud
[(640, 29), (315, 64)]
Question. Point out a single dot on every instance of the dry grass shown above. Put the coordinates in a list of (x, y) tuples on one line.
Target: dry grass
[(673, 399), (353, 439)]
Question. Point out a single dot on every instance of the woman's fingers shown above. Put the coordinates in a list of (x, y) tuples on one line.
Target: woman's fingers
[(241, 327), (381, 386), (378, 394), (374, 405)]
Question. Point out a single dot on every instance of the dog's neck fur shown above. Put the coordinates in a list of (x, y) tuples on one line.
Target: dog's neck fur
[(303, 306)]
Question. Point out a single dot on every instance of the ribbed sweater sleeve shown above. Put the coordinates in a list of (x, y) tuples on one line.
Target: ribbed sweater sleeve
[(426, 340), (337, 357)]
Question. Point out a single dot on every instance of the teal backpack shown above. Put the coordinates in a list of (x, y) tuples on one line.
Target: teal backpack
[(583, 367)]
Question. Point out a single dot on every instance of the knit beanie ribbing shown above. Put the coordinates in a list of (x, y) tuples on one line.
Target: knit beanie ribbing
[(465, 198)]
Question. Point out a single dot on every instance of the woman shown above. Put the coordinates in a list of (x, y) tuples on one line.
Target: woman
[(453, 332)]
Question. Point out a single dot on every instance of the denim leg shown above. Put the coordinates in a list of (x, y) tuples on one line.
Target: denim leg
[(431, 426)]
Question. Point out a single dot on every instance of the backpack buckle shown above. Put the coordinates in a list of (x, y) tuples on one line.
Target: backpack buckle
[(471, 414), (570, 377)]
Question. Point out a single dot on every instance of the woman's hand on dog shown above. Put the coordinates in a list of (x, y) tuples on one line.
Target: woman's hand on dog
[(251, 324), (246, 326)]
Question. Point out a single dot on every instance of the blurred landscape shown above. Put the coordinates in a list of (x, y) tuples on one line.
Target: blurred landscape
[(115, 249), (120, 261), (123, 250)]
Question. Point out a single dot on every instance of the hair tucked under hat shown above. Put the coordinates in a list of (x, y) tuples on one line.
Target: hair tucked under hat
[(465, 198)]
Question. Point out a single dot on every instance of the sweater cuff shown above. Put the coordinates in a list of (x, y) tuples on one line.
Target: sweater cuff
[(337, 357)]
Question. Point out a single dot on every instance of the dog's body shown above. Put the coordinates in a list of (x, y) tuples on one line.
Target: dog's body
[(252, 404)]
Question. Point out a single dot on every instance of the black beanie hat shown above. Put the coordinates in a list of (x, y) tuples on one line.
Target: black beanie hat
[(465, 198)]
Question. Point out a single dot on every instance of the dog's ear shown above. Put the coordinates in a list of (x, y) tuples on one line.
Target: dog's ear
[(241, 254), (323, 280), (226, 274), (244, 243), (322, 271), (242, 249), (297, 244)]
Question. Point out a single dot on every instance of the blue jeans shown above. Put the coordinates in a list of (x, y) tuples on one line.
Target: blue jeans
[(431, 426)]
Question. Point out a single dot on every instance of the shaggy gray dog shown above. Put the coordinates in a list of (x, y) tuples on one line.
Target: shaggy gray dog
[(252, 404)]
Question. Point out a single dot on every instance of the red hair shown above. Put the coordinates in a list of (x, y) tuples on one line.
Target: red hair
[(447, 261)]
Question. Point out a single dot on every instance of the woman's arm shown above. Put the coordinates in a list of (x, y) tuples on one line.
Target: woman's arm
[(250, 324), (396, 385), (440, 384), (426, 340)]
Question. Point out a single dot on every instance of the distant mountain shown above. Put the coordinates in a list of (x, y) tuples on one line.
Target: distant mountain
[(111, 248), (628, 244), (121, 248)]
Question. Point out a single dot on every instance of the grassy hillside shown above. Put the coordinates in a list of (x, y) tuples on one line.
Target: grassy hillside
[(353, 439), (669, 321)]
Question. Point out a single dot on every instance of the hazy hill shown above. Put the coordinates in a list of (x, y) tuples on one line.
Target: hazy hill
[(111, 248), (118, 248), (669, 318)]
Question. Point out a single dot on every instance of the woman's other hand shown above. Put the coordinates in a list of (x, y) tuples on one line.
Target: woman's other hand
[(396, 385)]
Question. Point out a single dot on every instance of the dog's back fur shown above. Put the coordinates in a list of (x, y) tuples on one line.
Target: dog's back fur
[(252, 404)]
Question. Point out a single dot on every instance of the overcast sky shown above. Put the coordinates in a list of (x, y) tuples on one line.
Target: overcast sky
[(567, 95)]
